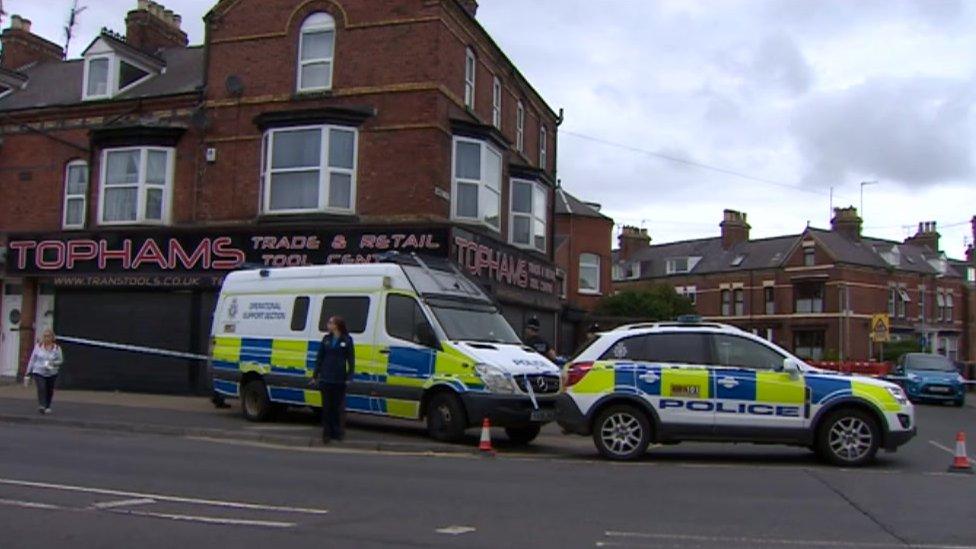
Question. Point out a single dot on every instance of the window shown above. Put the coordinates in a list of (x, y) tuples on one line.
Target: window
[(520, 127), (769, 297), (737, 261), (738, 297), (470, 72), (136, 185), (96, 75), (543, 148), (921, 303), (809, 345), (108, 74), (726, 302), (529, 214), (589, 274), (689, 292), (809, 257), (950, 303), (310, 169), (316, 53), (477, 182), (299, 314), (496, 103), (892, 302), (677, 265), (672, 348), (354, 310), (903, 301), (808, 298), (75, 194), (405, 320), (739, 352), (940, 303)]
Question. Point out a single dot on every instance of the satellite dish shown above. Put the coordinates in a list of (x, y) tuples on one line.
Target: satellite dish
[(235, 86)]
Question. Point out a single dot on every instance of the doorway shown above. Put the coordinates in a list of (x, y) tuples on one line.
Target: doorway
[(10, 317)]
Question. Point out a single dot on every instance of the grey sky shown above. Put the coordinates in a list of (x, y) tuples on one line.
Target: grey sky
[(798, 95)]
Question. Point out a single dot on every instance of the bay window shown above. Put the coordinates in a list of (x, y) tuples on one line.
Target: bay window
[(309, 169), (75, 194), (589, 274), (477, 188), (316, 53), (530, 213), (136, 185)]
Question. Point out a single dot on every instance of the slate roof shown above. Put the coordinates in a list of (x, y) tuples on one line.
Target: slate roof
[(567, 204)]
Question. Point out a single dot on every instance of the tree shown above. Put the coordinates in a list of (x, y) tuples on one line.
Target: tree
[(653, 302)]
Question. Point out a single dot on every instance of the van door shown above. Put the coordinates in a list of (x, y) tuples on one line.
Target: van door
[(406, 339), (359, 311), (10, 328)]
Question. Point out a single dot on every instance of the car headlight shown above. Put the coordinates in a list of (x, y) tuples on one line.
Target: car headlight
[(898, 394), (912, 377), (960, 379), (496, 379)]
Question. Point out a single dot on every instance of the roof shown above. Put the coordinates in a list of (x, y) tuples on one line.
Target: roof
[(567, 204), (55, 84)]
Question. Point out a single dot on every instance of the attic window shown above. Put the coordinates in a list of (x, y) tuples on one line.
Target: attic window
[(129, 74), (677, 265), (738, 260), (96, 73), (109, 71)]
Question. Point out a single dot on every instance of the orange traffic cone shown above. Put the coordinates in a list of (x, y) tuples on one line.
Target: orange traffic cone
[(485, 445), (961, 464)]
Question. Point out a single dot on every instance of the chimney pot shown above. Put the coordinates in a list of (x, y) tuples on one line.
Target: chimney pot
[(632, 239), (143, 5), (16, 22), (735, 230)]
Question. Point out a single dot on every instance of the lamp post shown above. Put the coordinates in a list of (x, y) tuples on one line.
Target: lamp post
[(864, 184)]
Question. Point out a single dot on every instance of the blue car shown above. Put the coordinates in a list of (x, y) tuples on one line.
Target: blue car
[(932, 378)]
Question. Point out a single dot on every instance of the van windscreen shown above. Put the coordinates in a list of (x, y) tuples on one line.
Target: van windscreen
[(472, 321)]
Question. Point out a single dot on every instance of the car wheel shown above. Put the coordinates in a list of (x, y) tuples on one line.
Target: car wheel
[(446, 419), (849, 438), (520, 436), (622, 432), (255, 404)]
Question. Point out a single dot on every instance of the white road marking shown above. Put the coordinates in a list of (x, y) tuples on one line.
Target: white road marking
[(764, 541), (206, 520), (947, 449), (455, 530), (122, 503), (28, 504), (161, 497)]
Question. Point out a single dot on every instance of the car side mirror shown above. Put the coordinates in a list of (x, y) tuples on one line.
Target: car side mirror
[(791, 367)]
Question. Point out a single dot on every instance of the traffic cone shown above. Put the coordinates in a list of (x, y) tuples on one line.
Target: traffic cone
[(961, 464), (485, 445)]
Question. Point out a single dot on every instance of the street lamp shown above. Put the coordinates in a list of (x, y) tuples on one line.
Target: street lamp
[(864, 184)]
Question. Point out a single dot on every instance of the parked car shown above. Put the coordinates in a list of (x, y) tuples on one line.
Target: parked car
[(931, 378)]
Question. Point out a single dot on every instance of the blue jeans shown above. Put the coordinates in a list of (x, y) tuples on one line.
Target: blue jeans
[(45, 389)]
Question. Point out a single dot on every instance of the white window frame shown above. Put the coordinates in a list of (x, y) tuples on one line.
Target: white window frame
[(68, 197), (543, 147), (316, 23), (141, 186), (114, 77), (671, 266), (533, 216), (482, 183), (520, 127), (496, 103), (950, 307), (940, 305), (470, 77), (581, 265), (324, 170)]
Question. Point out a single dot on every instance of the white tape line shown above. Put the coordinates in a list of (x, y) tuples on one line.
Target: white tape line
[(207, 520), (132, 348), (455, 530), (160, 497), (767, 541), (28, 504), (122, 503)]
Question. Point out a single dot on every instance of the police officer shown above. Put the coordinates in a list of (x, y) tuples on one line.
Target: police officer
[(536, 341), (335, 365)]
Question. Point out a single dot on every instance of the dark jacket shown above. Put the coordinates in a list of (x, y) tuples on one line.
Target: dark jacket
[(336, 361)]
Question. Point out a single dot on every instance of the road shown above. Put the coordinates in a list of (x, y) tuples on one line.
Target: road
[(62, 487)]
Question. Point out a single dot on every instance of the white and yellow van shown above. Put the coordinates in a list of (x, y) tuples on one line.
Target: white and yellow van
[(430, 345)]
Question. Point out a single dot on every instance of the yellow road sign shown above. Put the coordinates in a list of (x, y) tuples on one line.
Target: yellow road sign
[(880, 328)]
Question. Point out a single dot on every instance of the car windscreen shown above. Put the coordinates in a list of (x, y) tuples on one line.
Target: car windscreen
[(929, 362), (472, 321)]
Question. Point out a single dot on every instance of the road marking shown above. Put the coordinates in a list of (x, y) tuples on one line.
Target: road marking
[(122, 503), (161, 497), (764, 541), (206, 520), (947, 449), (455, 530), (28, 504)]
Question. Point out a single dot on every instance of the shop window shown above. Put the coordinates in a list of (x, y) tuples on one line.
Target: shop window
[(316, 53), (589, 274), (310, 169), (75, 194), (477, 182), (530, 212), (809, 345), (496, 103), (136, 185), (470, 74), (299, 314), (543, 148), (739, 352), (769, 297), (808, 298), (354, 310), (520, 127)]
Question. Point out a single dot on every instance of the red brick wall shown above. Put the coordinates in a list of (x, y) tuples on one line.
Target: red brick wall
[(585, 235)]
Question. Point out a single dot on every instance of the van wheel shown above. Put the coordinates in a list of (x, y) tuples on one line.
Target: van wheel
[(446, 420), (848, 438), (520, 436), (255, 404), (622, 432)]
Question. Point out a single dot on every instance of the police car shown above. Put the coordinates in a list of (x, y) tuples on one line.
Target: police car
[(684, 381)]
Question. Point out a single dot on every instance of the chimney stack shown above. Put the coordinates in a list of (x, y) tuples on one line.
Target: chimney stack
[(151, 27), (632, 240), (735, 229), (927, 235), (847, 223), (22, 48), (470, 6)]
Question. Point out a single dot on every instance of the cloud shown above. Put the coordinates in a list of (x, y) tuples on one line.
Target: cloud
[(778, 62)]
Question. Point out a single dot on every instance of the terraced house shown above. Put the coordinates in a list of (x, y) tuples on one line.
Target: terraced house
[(815, 292), (300, 132)]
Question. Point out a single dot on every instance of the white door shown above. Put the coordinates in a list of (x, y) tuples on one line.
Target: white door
[(10, 328), (45, 310)]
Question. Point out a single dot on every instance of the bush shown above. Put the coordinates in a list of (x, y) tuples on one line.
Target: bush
[(654, 302)]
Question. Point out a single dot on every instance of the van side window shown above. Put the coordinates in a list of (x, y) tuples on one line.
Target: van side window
[(355, 311), (405, 320), (299, 314)]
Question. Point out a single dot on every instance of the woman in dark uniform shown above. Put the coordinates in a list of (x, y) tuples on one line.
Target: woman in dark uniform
[(334, 368)]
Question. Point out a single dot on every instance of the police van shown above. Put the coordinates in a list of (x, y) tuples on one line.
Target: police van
[(693, 381), (430, 345)]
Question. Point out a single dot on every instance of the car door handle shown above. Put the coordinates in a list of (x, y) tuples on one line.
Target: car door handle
[(385, 351)]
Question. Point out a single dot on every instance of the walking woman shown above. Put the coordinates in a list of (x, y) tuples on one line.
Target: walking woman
[(334, 368), (45, 362)]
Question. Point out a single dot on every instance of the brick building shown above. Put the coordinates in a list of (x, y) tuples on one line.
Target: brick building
[(300, 132), (814, 292)]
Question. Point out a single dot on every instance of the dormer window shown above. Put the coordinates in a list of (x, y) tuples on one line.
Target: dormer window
[(112, 67), (97, 72)]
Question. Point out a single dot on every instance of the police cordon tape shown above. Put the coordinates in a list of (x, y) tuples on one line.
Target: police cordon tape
[(132, 348)]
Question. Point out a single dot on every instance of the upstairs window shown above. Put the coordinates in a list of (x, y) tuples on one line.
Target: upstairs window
[(136, 185), (543, 148), (809, 256), (738, 296), (589, 274), (530, 212), (97, 77), (726, 296), (809, 298), (310, 169), (75, 194), (108, 72), (470, 71), (769, 297), (921, 303), (950, 303), (677, 265), (496, 103), (520, 127), (940, 305), (316, 53), (477, 195)]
